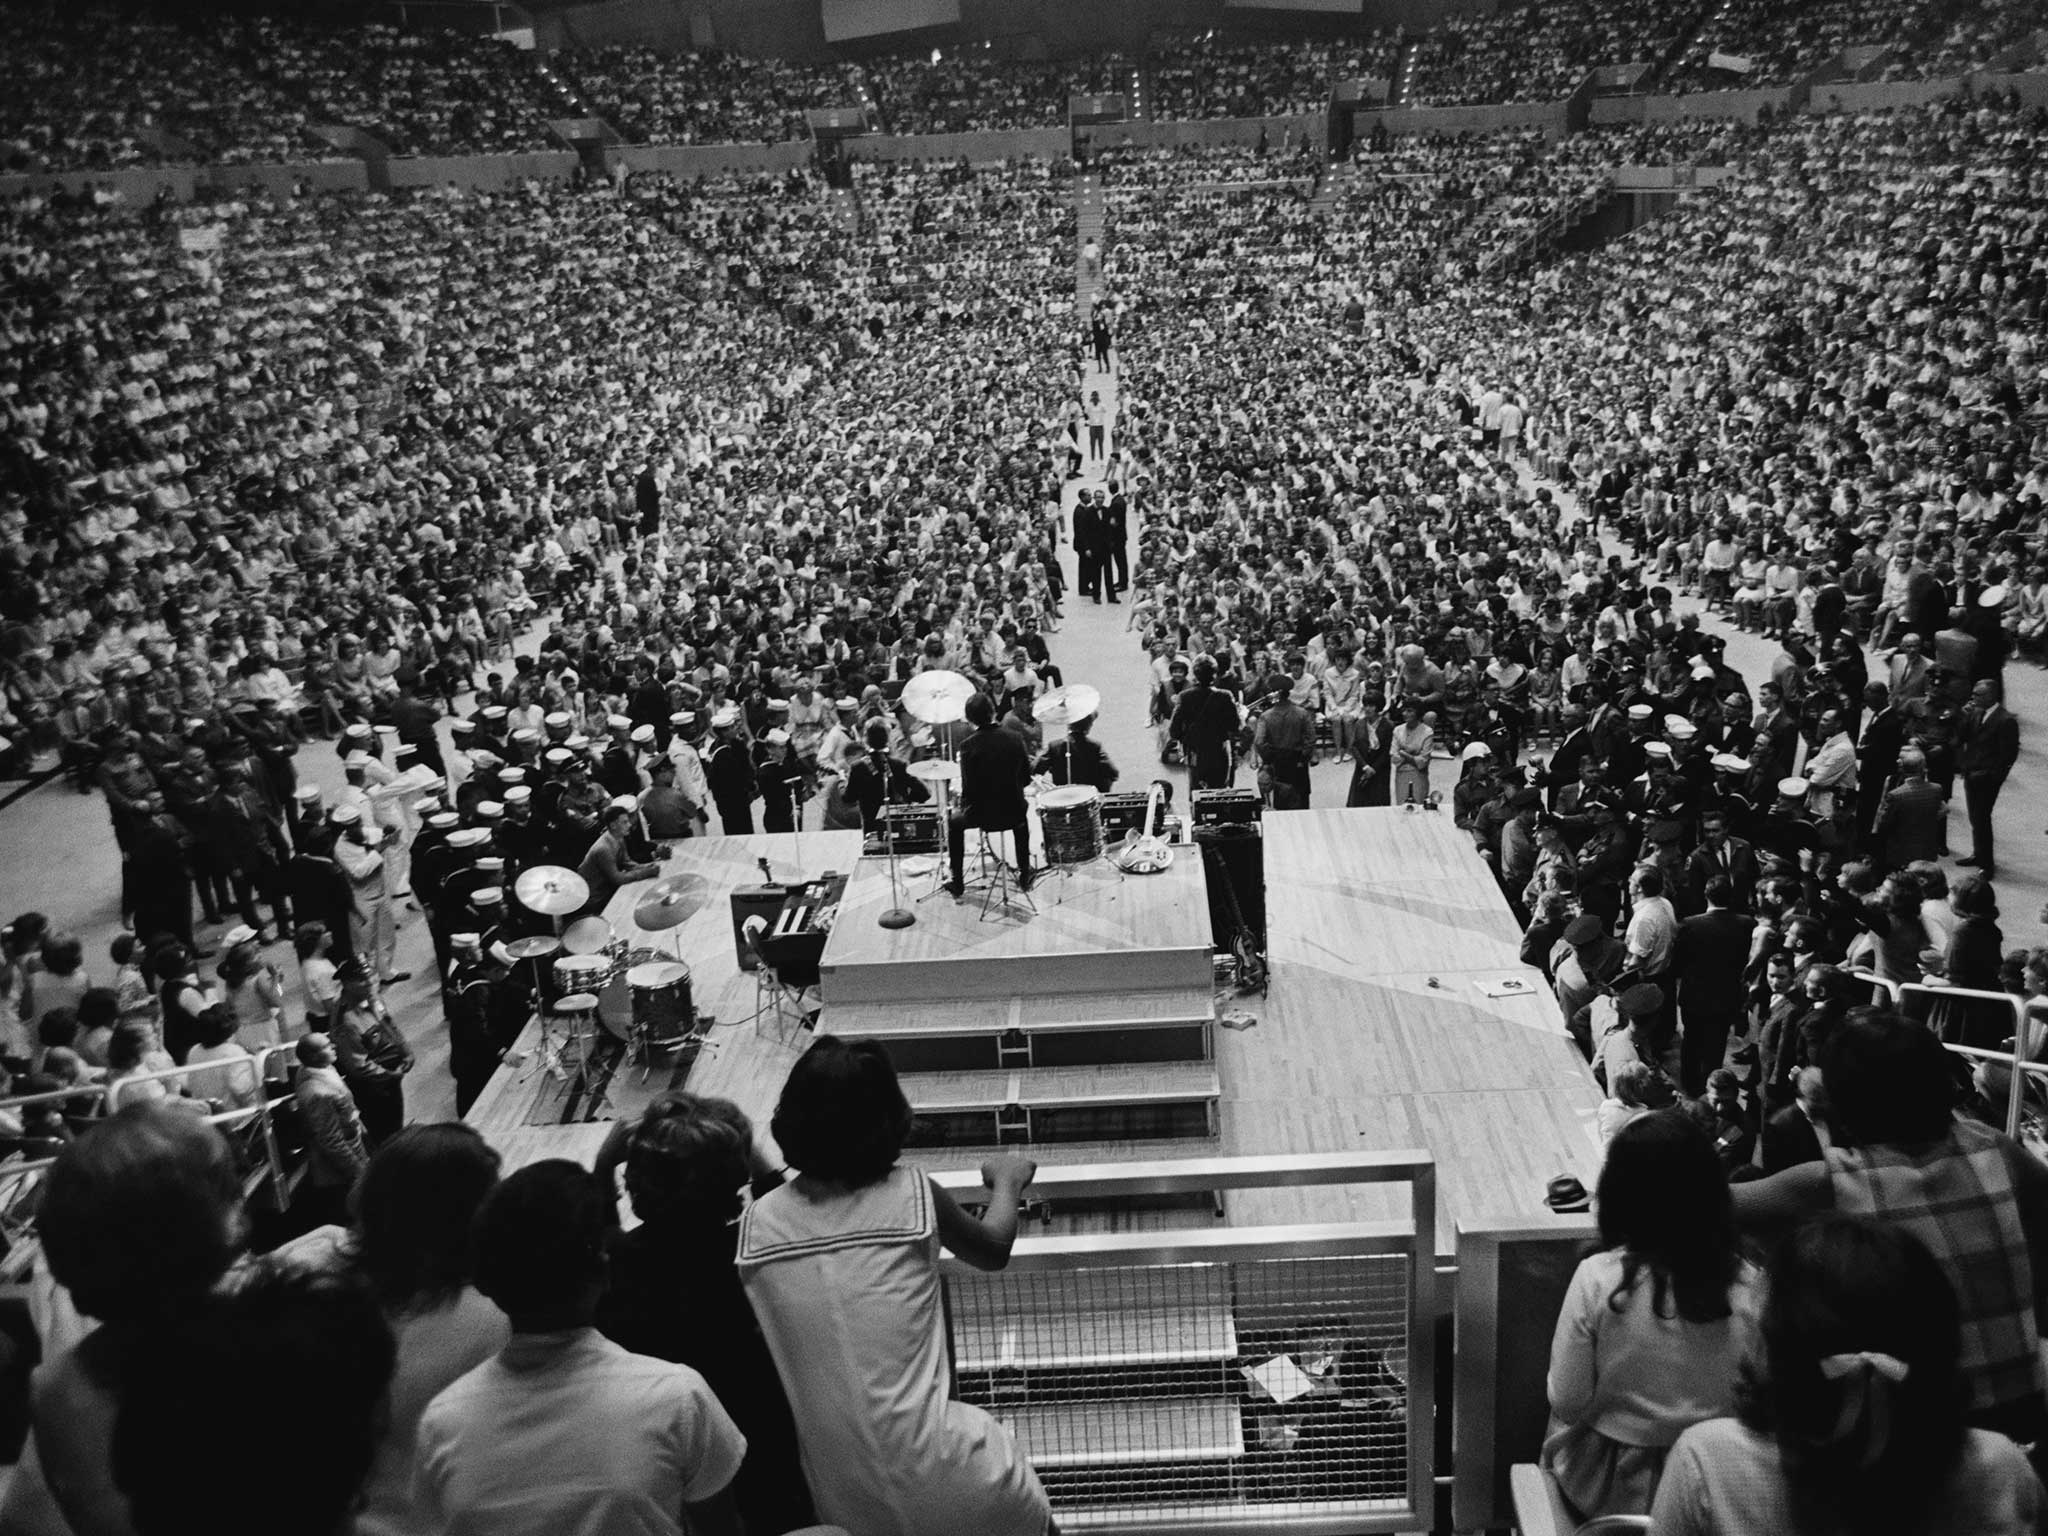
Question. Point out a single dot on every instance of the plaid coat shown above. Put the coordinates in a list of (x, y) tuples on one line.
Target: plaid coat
[(1957, 1196)]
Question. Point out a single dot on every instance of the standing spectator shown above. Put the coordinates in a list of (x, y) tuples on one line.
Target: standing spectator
[(1990, 747), (562, 1430), (1708, 962), (336, 1152), (1978, 1200), (371, 1052), (842, 1268)]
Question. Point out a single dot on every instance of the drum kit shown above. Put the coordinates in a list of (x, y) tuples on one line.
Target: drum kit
[(639, 996)]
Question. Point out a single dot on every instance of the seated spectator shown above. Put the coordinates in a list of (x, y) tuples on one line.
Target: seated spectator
[(842, 1268), (675, 1295), (1638, 1089), (563, 1429), (1655, 1325), (231, 1085), (1853, 1419)]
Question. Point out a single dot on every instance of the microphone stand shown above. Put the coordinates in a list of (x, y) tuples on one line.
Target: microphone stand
[(898, 915)]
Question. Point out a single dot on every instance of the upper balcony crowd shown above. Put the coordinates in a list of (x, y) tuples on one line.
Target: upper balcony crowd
[(97, 88)]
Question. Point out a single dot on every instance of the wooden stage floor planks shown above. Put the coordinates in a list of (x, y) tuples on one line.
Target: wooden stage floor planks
[(1375, 1034)]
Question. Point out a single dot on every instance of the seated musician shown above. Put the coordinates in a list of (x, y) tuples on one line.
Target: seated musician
[(608, 865), (878, 776), (994, 768), (1079, 759)]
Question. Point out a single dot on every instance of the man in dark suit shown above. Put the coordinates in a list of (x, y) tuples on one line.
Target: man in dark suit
[(1877, 756), (1116, 537), (1720, 855), (995, 765), (1205, 723), (1088, 546), (1991, 745), (1912, 819), (1708, 960)]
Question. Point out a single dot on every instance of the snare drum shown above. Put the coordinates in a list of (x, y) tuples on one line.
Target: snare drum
[(663, 1011), (583, 973), (1072, 818)]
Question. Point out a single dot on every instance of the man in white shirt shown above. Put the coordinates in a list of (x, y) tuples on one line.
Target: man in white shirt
[(562, 1432), (1831, 771)]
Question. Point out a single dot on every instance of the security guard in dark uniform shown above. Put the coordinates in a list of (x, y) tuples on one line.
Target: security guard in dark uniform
[(473, 1001)]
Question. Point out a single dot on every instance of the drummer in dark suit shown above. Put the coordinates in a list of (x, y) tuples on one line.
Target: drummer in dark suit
[(1079, 759), (994, 768)]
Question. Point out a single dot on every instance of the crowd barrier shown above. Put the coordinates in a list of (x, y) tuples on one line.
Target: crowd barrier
[(1214, 1379)]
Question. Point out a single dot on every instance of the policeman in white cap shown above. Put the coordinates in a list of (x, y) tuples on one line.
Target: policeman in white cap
[(687, 728)]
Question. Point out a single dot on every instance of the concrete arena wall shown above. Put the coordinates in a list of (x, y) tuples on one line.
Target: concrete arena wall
[(480, 173), (689, 160), (1526, 114)]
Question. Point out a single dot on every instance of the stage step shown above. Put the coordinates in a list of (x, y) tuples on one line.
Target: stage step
[(1128, 1432), (1089, 1319), (1063, 1029), (1148, 1102)]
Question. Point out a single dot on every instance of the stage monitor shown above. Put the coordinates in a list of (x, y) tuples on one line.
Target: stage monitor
[(846, 20), (1325, 7)]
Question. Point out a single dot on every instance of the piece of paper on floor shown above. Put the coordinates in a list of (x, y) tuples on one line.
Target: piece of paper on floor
[(1279, 1378)]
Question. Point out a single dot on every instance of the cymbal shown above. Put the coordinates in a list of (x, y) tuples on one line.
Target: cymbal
[(586, 936), (672, 902), (539, 947), (1076, 701), (937, 697), (934, 770), (551, 890)]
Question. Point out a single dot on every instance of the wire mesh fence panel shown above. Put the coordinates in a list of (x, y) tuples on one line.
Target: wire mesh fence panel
[(1258, 1390)]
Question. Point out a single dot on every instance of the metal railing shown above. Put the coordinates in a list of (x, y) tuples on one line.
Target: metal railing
[(1214, 1379), (2018, 1060)]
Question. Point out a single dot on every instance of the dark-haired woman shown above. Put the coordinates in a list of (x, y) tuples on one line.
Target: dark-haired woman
[(842, 1268), (1852, 1423), (414, 1209), (1655, 1324), (675, 1295), (1977, 1199)]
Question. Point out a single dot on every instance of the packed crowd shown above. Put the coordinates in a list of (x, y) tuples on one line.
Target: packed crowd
[(1211, 76), (1718, 871), (109, 87), (653, 97), (284, 472)]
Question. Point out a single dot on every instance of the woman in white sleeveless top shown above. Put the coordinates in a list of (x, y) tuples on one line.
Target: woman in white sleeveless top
[(841, 1266)]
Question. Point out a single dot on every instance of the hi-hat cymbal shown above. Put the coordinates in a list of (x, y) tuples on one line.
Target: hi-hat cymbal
[(551, 890), (1076, 701), (935, 770), (938, 697), (672, 902), (539, 947)]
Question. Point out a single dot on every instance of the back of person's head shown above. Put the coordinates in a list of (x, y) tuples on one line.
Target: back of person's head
[(130, 1044), (415, 1208), (842, 1116), (1641, 1085), (1888, 1081), (540, 1240), (122, 950), (877, 736), (307, 938), (687, 1160), (980, 711), (1972, 896), (300, 1363), (1664, 1204), (58, 1027), (1857, 1377), (1720, 891), (141, 1214), (63, 954), (214, 1027), (1932, 879), (100, 1008)]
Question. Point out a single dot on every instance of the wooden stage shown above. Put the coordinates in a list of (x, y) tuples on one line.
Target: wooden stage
[(1384, 926)]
